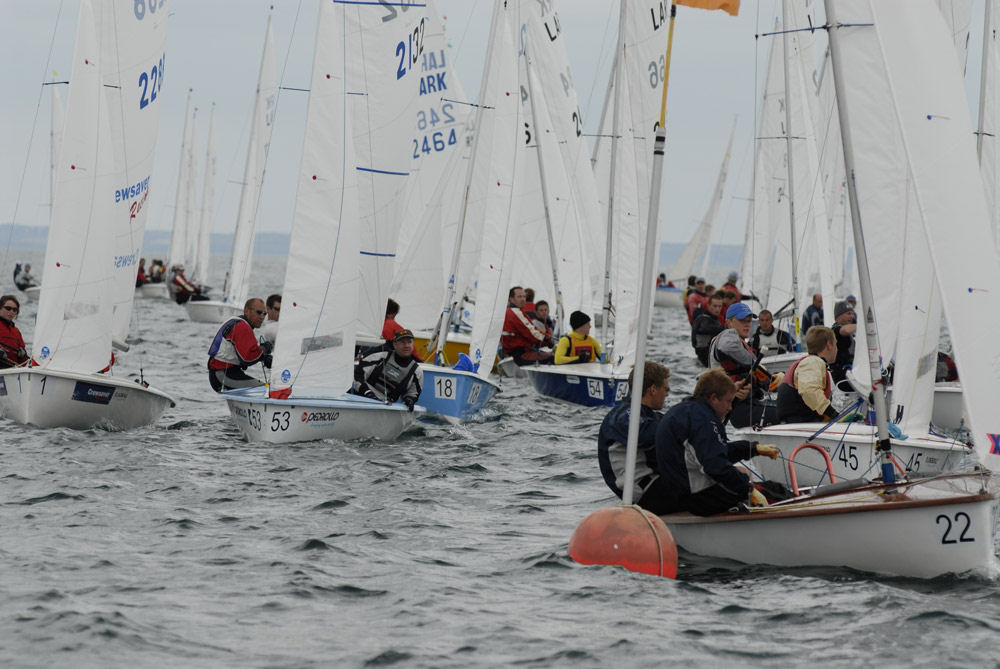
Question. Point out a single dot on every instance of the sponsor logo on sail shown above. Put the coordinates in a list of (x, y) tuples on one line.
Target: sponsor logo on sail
[(90, 392)]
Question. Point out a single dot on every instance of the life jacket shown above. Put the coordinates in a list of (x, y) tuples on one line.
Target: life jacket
[(389, 379), (737, 371), (791, 407), (790, 379), (223, 350), (576, 346)]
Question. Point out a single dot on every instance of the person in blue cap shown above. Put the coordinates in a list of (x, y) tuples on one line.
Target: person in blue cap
[(730, 351)]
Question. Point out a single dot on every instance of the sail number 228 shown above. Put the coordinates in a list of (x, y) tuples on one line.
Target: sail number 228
[(150, 84)]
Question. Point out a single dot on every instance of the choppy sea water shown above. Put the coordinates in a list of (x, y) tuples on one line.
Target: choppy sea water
[(181, 545)]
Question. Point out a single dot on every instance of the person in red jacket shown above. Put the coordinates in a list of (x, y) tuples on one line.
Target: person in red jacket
[(520, 339), (12, 353), (235, 348)]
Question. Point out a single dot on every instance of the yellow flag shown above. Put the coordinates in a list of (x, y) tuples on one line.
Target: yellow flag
[(732, 7)]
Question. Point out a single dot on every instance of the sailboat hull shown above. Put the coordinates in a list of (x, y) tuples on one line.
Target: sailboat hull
[(31, 294), (155, 291), (48, 398), (261, 418), (851, 447), (590, 384), (667, 296), (920, 529), (211, 311), (507, 367), (949, 411), (454, 395)]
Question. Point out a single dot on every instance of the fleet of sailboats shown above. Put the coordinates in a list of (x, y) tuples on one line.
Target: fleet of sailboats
[(866, 179)]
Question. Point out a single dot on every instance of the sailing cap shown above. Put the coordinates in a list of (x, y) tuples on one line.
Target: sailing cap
[(733, 276), (700, 279), (402, 334), (851, 299), (841, 308), (739, 311)]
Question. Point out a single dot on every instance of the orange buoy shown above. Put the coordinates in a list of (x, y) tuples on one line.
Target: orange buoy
[(625, 536)]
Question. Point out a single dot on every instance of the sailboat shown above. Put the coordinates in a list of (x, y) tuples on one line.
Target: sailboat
[(698, 246), (622, 168), (237, 284), (905, 129), (94, 241), (313, 368)]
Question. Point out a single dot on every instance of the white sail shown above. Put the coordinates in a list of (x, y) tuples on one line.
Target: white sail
[(440, 142), (491, 182), (55, 138), (237, 284), (989, 115), (74, 309), (958, 18), (203, 247), (179, 242), (914, 151), (381, 95), (697, 246), (769, 210), (637, 94)]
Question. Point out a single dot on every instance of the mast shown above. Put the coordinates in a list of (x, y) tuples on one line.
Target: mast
[(449, 298), (789, 150), (864, 274), (982, 79), (553, 256), (648, 270), (615, 132)]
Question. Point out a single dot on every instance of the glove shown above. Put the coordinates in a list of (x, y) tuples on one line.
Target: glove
[(776, 381), (370, 394), (767, 450), (584, 356), (757, 498), (268, 346), (267, 359), (21, 353), (409, 402)]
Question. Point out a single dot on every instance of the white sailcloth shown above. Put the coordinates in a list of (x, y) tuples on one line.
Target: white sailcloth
[(179, 242), (382, 93), (989, 115), (237, 285), (74, 307), (55, 138), (441, 141), (914, 150), (203, 247)]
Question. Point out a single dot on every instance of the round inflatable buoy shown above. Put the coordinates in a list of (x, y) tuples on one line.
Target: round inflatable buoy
[(625, 536)]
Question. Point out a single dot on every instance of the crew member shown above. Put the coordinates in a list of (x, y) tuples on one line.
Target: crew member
[(12, 352), (804, 393), (269, 330), (578, 345), (767, 339), (391, 376), (730, 351), (520, 339), (235, 348)]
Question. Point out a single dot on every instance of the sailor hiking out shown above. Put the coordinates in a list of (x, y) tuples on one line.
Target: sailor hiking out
[(235, 348), (391, 374)]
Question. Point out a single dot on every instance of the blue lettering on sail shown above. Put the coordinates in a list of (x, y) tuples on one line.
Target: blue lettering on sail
[(91, 392), (128, 192)]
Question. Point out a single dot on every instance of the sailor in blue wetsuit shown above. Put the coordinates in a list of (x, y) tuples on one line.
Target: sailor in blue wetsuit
[(612, 440), (695, 458)]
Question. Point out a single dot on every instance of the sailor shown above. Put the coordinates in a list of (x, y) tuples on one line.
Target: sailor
[(390, 326), (520, 339), (804, 393), (269, 330), (542, 322), (12, 352), (235, 348), (706, 326), (578, 345), (730, 285), (612, 440), (140, 277), (23, 279), (695, 458), (767, 339), (17, 271), (844, 327), (813, 315), (391, 376), (730, 351), (182, 289), (695, 298)]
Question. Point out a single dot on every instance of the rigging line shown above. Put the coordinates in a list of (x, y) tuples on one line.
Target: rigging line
[(468, 104), (601, 60), (31, 140)]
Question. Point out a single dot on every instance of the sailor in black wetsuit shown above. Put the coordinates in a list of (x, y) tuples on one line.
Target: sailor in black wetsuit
[(391, 375)]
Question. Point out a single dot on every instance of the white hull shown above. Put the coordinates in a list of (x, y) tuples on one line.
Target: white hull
[(669, 297), (155, 290), (780, 362), (49, 398), (211, 311), (510, 369), (344, 417), (31, 294), (920, 529), (851, 447)]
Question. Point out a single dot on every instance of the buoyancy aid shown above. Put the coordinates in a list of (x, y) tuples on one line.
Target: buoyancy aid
[(389, 379), (223, 352), (791, 406)]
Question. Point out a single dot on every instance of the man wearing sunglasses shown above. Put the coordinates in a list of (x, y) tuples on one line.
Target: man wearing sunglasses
[(268, 332), (12, 353), (235, 348)]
